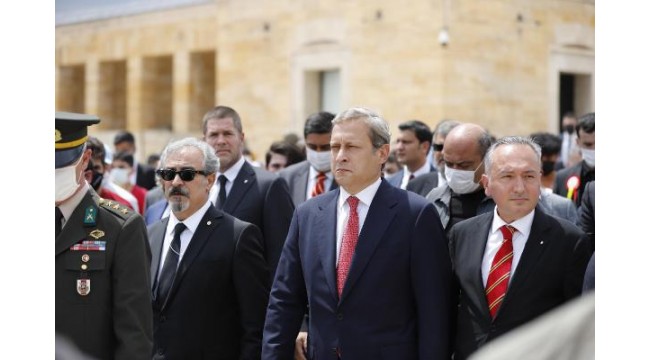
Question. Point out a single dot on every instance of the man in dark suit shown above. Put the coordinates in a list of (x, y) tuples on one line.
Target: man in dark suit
[(387, 297), (424, 183), (570, 182), (313, 176), (525, 263), (411, 149), (102, 299), (210, 286), (248, 193), (144, 175)]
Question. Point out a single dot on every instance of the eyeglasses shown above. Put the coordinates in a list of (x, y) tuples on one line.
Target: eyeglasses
[(185, 174), (437, 147)]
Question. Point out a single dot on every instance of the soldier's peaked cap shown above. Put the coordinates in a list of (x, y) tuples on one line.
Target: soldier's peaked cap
[(71, 133)]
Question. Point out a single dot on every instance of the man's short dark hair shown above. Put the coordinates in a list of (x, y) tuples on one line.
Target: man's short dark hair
[(292, 152), (123, 136), (551, 144), (586, 123), (319, 123), (422, 131), (97, 148), (124, 156)]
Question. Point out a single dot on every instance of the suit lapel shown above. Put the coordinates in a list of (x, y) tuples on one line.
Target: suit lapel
[(210, 222), (327, 211), (244, 180), (302, 181), (475, 259), (380, 215), (71, 234)]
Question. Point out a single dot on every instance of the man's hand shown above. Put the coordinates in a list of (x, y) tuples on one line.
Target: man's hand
[(300, 351)]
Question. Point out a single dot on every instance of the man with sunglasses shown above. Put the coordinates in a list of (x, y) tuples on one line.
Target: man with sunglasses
[(246, 192), (103, 303), (210, 281), (424, 183)]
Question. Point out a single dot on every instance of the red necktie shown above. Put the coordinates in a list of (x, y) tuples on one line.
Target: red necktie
[(350, 237), (319, 187), (497, 282)]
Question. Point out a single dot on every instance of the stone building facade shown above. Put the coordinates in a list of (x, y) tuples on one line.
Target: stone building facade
[(511, 65)]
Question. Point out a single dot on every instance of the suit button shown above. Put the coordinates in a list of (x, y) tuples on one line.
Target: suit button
[(159, 352), (163, 318), (339, 316)]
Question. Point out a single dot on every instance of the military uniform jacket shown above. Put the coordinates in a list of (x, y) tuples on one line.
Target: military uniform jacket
[(103, 301)]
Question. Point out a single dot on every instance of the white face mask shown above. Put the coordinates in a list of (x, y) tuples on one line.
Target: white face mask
[(65, 181), (120, 176), (461, 181), (320, 160), (589, 156)]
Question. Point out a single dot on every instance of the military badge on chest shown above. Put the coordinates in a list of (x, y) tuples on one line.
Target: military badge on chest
[(88, 252)]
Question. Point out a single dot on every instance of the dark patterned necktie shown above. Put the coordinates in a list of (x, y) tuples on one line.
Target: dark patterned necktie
[(171, 263)]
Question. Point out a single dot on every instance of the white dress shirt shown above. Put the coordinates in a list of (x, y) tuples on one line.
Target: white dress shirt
[(365, 197), (231, 175), (312, 179), (192, 223), (495, 238)]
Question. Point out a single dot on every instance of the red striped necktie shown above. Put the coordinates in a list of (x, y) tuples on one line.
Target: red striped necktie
[(319, 187), (497, 282)]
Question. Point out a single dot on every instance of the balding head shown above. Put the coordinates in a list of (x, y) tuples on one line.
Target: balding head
[(465, 147)]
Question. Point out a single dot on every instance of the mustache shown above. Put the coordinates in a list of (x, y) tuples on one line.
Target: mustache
[(177, 190)]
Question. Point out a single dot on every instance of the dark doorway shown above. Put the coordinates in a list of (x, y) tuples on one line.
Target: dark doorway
[(567, 95)]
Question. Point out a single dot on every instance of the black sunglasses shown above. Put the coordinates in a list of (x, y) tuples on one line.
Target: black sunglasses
[(437, 147), (185, 174)]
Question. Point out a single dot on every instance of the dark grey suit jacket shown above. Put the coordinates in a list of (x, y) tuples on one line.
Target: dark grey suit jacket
[(424, 183), (297, 177), (216, 305), (549, 273)]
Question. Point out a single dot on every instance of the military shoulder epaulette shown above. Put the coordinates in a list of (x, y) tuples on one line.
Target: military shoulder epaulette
[(115, 207)]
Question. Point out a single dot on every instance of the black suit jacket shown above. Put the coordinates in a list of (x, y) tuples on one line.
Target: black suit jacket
[(146, 176), (587, 214), (262, 198), (113, 320), (549, 273), (216, 305), (581, 171)]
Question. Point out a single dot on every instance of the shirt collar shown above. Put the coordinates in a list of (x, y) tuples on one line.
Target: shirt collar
[(522, 224), (365, 196), (231, 174), (313, 173), (422, 170), (68, 206), (192, 222)]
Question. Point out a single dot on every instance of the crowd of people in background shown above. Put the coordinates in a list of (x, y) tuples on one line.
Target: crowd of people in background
[(341, 243)]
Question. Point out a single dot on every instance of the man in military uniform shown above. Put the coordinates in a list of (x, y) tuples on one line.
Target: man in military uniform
[(103, 301)]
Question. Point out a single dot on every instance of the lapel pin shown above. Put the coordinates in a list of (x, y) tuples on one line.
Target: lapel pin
[(85, 257), (541, 242), (246, 181), (209, 222)]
